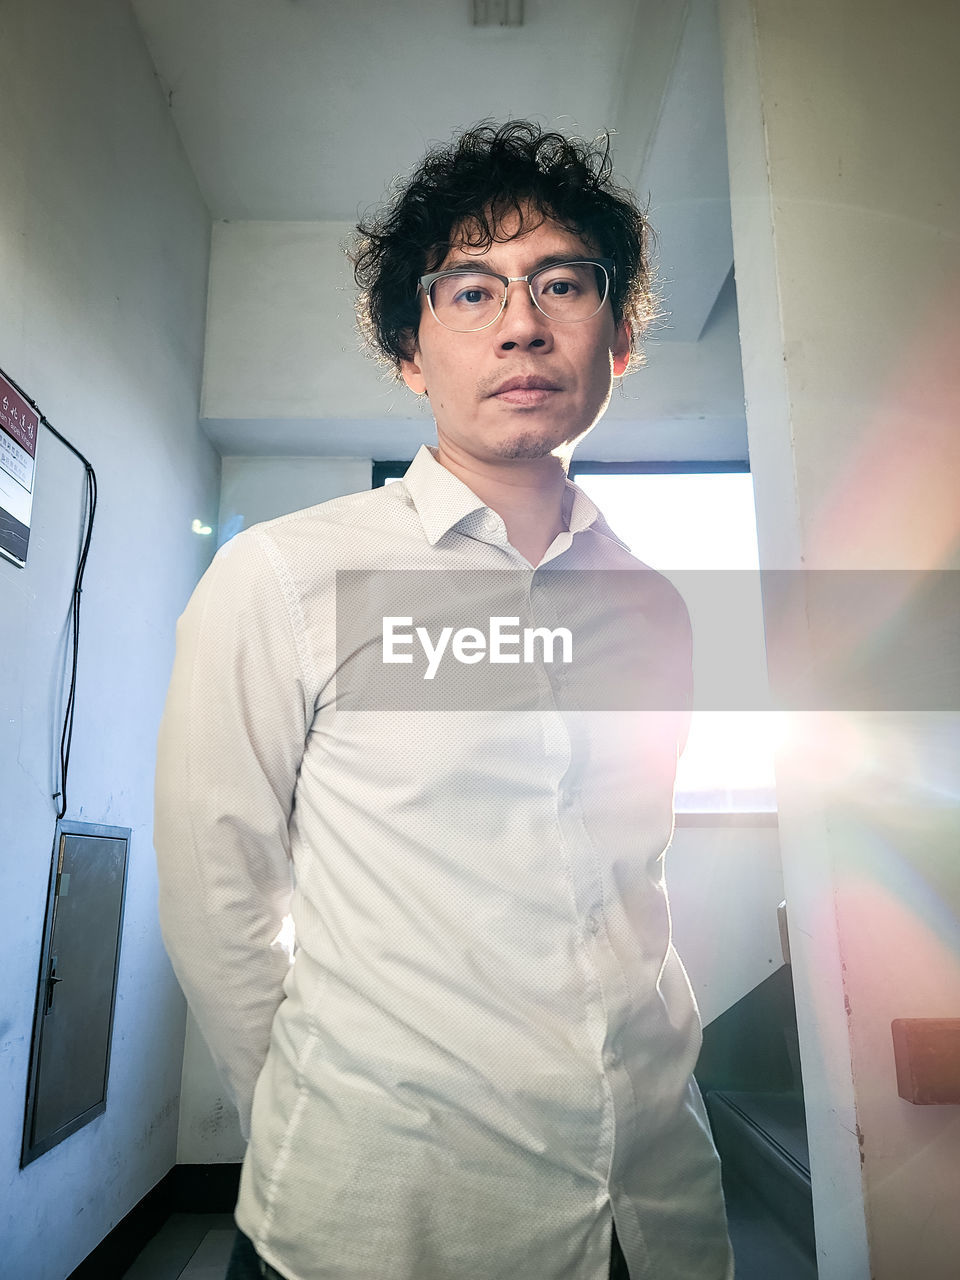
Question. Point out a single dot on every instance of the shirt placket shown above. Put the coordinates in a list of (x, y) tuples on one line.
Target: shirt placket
[(565, 748), (605, 1003)]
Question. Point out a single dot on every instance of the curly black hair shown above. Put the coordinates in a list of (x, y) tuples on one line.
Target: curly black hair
[(469, 188)]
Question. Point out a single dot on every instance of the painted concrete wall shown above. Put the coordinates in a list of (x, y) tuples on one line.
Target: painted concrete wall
[(846, 200), (255, 489), (103, 261), (281, 336), (725, 883)]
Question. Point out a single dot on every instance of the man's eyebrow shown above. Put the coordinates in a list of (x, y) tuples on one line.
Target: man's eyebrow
[(551, 260)]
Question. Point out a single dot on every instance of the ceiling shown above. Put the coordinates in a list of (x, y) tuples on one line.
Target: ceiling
[(303, 110)]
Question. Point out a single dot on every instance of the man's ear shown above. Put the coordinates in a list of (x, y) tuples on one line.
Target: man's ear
[(621, 349), (410, 369)]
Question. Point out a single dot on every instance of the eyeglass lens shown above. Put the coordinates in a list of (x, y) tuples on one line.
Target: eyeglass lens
[(568, 291)]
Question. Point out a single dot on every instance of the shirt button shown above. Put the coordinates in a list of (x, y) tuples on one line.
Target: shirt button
[(612, 1058), (593, 923), (490, 522)]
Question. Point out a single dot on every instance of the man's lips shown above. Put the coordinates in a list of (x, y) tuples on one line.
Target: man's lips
[(529, 389)]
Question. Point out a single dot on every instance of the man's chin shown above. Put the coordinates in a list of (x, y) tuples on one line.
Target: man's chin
[(536, 444), (527, 448)]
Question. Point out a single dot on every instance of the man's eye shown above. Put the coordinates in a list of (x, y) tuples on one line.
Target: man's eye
[(567, 282), (472, 294), (561, 288)]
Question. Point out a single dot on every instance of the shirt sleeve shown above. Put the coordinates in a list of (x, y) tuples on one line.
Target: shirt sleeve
[(230, 747)]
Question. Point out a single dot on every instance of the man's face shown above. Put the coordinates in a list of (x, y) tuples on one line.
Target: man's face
[(469, 377)]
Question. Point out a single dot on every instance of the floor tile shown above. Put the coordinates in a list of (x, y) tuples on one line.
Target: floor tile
[(210, 1260), (171, 1250)]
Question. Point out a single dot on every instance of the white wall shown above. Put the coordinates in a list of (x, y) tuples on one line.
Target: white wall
[(845, 191), (255, 489), (725, 883), (103, 260)]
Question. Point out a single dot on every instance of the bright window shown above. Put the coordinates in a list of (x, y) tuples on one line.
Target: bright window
[(677, 522)]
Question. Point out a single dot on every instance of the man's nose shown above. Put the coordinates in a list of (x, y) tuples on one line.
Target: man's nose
[(522, 323)]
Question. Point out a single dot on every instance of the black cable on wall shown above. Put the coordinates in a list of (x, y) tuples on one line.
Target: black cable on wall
[(66, 735)]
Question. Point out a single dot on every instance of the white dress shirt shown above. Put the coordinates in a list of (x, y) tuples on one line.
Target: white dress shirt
[(483, 1046)]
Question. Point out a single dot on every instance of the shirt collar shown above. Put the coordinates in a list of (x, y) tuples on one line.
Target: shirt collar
[(442, 500)]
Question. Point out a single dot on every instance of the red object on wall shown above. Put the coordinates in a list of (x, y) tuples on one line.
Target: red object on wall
[(19, 428), (927, 1053)]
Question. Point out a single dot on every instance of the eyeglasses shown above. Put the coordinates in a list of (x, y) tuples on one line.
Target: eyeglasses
[(466, 300)]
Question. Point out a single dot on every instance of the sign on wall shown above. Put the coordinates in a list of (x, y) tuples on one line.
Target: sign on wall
[(19, 427)]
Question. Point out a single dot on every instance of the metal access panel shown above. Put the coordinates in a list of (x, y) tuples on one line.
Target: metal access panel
[(73, 1019)]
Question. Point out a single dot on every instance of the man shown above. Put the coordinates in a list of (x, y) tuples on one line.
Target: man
[(477, 1064)]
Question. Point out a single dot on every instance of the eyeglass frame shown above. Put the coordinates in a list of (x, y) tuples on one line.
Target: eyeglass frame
[(426, 283)]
